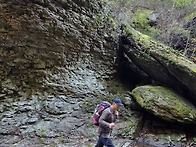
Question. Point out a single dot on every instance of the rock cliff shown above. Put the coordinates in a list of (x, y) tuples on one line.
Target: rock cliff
[(56, 56)]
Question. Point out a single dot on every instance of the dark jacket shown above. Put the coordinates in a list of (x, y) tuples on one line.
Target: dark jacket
[(108, 116)]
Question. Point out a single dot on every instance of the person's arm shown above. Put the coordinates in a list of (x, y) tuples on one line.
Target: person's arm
[(102, 119)]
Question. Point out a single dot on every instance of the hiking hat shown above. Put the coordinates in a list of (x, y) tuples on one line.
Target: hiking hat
[(118, 101)]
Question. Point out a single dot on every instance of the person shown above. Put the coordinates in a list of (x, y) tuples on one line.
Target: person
[(107, 123)]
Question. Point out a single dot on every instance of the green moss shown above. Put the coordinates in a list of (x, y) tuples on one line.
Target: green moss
[(140, 21), (161, 101), (144, 40), (140, 18), (168, 54), (171, 59)]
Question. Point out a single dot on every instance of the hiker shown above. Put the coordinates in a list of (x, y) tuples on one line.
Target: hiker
[(106, 124)]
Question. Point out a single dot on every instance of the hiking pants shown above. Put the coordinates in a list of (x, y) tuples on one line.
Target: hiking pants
[(104, 141)]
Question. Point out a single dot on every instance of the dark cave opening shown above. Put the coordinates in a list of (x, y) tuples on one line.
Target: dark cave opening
[(127, 72)]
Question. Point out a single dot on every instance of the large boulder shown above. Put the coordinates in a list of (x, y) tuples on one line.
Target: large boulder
[(165, 104), (159, 61)]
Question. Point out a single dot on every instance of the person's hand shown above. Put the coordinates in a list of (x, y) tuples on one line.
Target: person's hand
[(111, 126)]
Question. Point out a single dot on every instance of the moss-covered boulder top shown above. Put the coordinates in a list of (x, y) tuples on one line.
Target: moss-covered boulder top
[(153, 57), (165, 104)]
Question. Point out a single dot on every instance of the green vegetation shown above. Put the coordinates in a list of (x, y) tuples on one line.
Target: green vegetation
[(168, 21), (190, 16), (184, 3), (146, 42), (141, 22)]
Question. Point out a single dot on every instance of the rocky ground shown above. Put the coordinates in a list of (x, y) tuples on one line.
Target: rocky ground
[(134, 129)]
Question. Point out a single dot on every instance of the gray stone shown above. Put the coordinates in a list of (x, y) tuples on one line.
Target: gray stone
[(161, 140), (33, 120), (21, 118), (129, 128), (9, 140), (57, 106), (45, 129), (86, 131), (68, 125), (154, 16), (25, 108), (27, 129), (7, 126), (77, 114), (2, 95)]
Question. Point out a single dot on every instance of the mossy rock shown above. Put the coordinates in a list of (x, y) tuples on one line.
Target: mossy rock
[(169, 62), (178, 66), (165, 104), (137, 47)]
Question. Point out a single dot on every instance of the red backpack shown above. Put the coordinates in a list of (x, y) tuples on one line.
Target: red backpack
[(98, 111)]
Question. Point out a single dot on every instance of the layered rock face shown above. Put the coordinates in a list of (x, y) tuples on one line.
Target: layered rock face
[(40, 37), (53, 55)]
